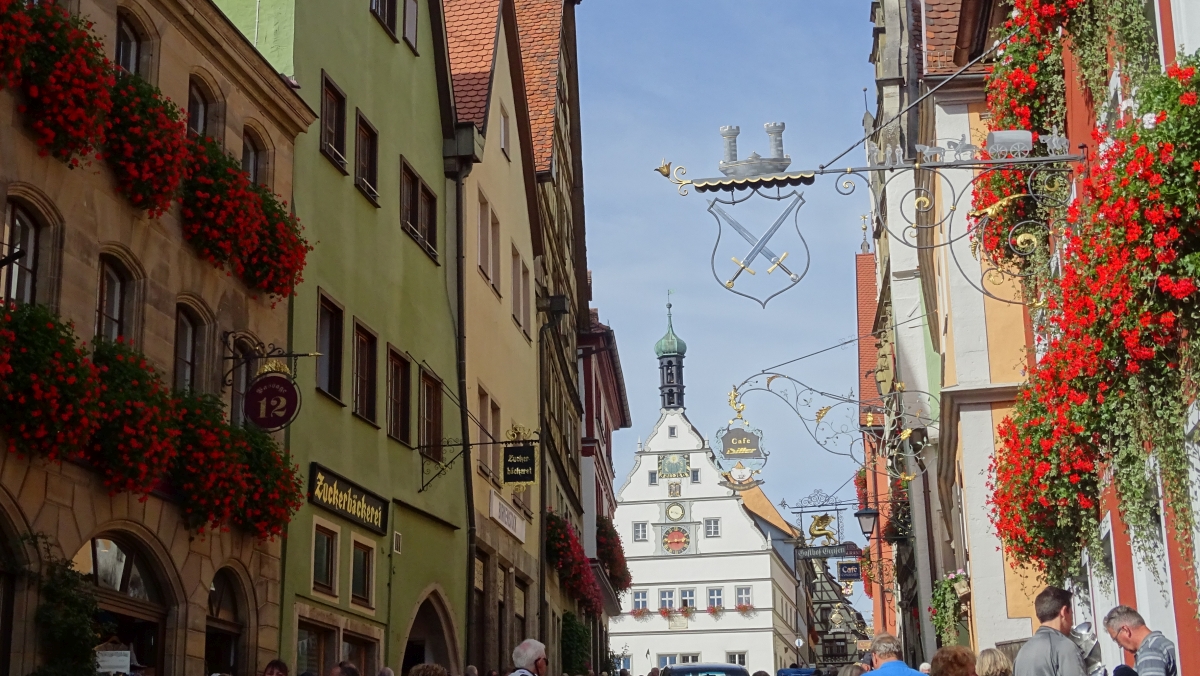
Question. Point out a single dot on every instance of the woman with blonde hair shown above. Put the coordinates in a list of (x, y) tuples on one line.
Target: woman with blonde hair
[(992, 662)]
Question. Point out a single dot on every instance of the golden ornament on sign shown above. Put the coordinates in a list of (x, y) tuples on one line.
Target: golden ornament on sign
[(905, 434), (822, 412), (274, 366)]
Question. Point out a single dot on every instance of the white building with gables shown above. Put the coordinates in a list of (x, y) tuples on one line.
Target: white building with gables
[(692, 542)]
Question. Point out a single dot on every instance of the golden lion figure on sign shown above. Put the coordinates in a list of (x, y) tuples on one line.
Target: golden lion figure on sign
[(820, 527)]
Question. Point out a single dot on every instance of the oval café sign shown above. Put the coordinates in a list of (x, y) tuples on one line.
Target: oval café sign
[(272, 401)]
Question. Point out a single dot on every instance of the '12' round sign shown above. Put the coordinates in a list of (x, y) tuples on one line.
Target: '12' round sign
[(272, 401)]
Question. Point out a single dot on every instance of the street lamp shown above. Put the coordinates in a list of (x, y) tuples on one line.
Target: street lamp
[(867, 518)]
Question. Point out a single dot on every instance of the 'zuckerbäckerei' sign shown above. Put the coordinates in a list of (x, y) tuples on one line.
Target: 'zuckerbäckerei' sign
[(347, 499)]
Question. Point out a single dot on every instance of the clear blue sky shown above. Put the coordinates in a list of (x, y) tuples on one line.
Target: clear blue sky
[(657, 79)]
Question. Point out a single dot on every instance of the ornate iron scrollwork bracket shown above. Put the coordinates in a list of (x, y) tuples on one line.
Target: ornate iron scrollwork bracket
[(432, 468), (243, 348)]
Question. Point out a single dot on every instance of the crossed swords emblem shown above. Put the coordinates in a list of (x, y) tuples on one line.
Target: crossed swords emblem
[(758, 245)]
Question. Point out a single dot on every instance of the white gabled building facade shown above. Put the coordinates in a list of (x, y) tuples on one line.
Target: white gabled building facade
[(691, 541)]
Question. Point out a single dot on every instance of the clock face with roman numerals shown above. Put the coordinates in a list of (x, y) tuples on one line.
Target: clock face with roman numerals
[(676, 540)]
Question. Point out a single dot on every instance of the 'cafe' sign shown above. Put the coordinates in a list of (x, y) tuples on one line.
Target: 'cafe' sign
[(740, 443), (347, 499)]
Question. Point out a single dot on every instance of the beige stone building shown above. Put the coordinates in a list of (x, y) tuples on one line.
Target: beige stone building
[(187, 604)]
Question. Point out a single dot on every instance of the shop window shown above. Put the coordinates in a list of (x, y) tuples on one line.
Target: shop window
[(324, 560), (112, 301), (329, 345), (399, 388), (20, 233), (254, 157), (362, 567), (223, 632), (129, 598), (187, 329), (314, 648), (360, 652)]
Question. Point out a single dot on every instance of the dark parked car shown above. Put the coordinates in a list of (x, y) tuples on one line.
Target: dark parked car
[(694, 669)]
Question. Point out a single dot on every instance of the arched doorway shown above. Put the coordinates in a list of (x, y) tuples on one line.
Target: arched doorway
[(428, 640), (132, 606), (224, 627)]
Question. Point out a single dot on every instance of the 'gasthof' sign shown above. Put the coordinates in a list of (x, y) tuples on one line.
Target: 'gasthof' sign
[(739, 443), (347, 499)]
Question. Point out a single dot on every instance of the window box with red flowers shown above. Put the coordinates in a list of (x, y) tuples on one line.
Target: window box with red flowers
[(745, 609), (715, 612), (111, 412), (688, 611), (565, 553), (667, 613), (611, 554), (641, 613)]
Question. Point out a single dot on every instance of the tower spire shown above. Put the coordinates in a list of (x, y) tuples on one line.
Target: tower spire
[(670, 350)]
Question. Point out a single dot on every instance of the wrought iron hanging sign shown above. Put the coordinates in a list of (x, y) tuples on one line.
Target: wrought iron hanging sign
[(740, 452), (272, 401), (931, 188)]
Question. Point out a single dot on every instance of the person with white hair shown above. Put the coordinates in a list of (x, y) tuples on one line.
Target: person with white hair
[(925, 667), (529, 658)]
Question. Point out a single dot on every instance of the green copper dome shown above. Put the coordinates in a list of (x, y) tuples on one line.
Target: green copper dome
[(670, 344)]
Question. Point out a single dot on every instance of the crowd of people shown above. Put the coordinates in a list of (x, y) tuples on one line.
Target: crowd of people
[(1050, 652)]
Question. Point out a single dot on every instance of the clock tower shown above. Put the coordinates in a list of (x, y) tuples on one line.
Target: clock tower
[(670, 350)]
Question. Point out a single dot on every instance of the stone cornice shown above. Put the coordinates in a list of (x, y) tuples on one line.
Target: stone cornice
[(207, 28)]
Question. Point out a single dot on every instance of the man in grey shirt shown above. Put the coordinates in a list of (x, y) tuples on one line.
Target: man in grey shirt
[(1050, 652), (1154, 653)]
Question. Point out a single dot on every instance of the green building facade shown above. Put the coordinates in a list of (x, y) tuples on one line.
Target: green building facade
[(374, 563)]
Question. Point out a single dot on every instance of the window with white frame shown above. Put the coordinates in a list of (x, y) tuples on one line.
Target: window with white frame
[(641, 600), (695, 475), (626, 662), (641, 531), (666, 598), (689, 658), (716, 597), (672, 431), (653, 477), (667, 660), (712, 528), (743, 596), (736, 658), (687, 598)]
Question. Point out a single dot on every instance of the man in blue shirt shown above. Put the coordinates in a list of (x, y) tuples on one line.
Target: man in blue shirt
[(886, 650)]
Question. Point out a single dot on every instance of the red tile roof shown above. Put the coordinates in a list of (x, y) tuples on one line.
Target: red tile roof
[(471, 30), (941, 32), (539, 23)]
